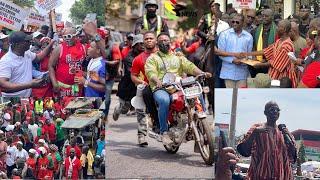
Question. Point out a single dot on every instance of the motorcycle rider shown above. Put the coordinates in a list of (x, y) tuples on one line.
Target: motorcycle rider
[(157, 65)]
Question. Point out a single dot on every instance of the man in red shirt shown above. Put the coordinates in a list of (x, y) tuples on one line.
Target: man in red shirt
[(66, 60), (137, 69), (73, 146), (49, 130), (72, 167)]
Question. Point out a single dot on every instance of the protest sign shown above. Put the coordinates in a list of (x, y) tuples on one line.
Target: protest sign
[(12, 16), (36, 19), (44, 6), (244, 4)]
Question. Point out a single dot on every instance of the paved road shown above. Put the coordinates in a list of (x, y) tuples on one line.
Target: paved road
[(127, 160)]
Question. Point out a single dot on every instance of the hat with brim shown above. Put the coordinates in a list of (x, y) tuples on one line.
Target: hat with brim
[(37, 34), (137, 39), (19, 37), (137, 101), (3, 36)]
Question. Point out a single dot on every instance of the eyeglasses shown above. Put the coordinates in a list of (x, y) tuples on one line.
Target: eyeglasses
[(274, 109), (238, 22), (68, 36)]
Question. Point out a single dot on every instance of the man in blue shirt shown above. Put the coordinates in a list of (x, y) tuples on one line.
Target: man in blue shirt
[(235, 40)]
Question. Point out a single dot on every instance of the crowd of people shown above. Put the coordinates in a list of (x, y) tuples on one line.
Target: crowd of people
[(33, 144), (70, 62), (267, 38)]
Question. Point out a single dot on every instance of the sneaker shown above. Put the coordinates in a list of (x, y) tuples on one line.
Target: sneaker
[(201, 115), (116, 113), (142, 141), (166, 140)]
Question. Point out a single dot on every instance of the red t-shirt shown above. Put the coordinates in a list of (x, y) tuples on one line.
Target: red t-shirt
[(76, 148), (125, 52), (310, 74), (75, 168), (193, 47), (2, 53), (50, 129), (303, 52), (138, 65)]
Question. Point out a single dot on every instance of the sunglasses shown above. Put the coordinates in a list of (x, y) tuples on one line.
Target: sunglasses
[(233, 22), (274, 109), (68, 36)]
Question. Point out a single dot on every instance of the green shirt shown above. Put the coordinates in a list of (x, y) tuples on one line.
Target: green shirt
[(178, 65), (60, 132)]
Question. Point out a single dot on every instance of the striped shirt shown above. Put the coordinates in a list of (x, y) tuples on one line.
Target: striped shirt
[(281, 65), (269, 156)]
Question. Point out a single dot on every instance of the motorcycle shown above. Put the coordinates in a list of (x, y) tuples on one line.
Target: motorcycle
[(184, 122)]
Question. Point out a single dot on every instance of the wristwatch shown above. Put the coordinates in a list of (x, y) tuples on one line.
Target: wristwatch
[(86, 83), (97, 37)]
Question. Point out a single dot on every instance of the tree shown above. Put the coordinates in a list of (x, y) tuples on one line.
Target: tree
[(81, 8), (24, 3), (302, 153)]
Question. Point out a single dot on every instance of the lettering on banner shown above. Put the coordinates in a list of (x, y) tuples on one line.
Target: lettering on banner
[(11, 15)]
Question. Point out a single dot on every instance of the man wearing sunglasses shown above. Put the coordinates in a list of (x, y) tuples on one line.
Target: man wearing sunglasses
[(272, 155), (16, 66), (235, 40), (65, 63)]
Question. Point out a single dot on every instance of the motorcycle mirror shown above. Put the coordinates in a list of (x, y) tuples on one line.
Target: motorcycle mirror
[(168, 78)]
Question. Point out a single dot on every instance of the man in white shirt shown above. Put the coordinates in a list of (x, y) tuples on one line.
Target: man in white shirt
[(16, 66), (20, 152), (11, 153), (33, 128)]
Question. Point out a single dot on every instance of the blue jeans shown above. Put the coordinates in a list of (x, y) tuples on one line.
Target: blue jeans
[(162, 99), (109, 85)]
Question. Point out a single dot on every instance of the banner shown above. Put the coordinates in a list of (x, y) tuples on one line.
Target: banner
[(44, 6), (35, 19), (244, 4), (58, 16), (12, 16)]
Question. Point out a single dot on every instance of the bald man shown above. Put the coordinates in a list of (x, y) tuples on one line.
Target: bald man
[(299, 42)]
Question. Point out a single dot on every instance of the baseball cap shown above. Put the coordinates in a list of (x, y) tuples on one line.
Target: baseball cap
[(18, 37), (36, 34), (3, 36), (137, 39)]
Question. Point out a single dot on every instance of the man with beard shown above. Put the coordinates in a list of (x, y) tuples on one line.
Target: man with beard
[(151, 21), (271, 155), (305, 20), (126, 88), (157, 65), (149, 40), (16, 66)]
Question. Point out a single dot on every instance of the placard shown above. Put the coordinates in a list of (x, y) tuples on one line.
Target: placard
[(44, 6), (244, 4), (12, 16)]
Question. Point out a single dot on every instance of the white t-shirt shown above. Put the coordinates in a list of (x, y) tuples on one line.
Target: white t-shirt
[(18, 70), (33, 128), (22, 154), (11, 153), (222, 26)]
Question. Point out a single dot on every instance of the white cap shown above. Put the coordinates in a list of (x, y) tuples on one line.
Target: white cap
[(42, 141), (3, 36), (36, 34), (43, 150), (7, 116), (19, 142), (32, 151)]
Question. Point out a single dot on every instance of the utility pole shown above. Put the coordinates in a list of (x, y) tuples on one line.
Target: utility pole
[(233, 117)]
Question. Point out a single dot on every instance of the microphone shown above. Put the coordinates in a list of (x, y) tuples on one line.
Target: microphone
[(287, 138)]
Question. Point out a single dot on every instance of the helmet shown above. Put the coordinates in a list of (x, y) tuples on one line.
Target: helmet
[(151, 2)]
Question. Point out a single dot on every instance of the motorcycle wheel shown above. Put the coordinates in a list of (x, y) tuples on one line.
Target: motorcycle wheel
[(171, 149), (206, 141)]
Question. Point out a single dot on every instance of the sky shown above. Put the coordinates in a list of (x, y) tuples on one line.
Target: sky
[(299, 108), (65, 9)]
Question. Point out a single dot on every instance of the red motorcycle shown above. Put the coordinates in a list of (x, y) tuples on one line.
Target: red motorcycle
[(184, 121)]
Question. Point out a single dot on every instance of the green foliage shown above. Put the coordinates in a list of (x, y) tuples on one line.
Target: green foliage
[(81, 8), (302, 153), (24, 3)]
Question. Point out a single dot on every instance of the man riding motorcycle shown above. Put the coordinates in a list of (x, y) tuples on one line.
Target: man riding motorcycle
[(157, 65)]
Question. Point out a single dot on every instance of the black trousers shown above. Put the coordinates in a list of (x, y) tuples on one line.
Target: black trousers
[(150, 104)]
